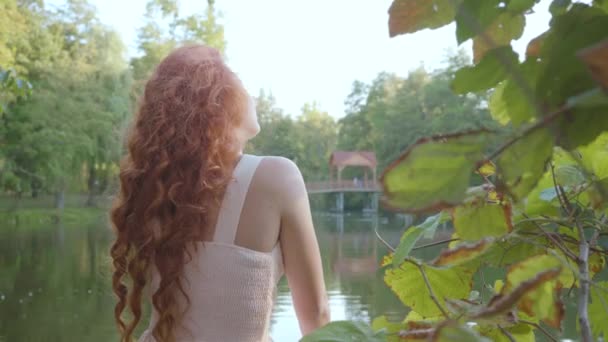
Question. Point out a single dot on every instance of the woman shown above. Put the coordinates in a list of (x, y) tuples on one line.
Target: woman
[(202, 230)]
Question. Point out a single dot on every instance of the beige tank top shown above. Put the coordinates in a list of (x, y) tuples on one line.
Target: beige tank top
[(231, 288)]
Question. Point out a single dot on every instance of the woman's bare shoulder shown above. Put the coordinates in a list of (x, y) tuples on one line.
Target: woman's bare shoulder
[(280, 175)]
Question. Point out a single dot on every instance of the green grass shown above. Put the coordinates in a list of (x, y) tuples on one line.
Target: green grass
[(35, 212), (77, 217)]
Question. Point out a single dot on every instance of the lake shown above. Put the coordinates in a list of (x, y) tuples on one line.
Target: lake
[(54, 280)]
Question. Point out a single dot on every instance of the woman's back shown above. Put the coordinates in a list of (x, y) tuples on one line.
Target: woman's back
[(231, 288)]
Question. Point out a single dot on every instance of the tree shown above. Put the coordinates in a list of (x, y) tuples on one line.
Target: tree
[(165, 29), (316, 136), (277, 135)]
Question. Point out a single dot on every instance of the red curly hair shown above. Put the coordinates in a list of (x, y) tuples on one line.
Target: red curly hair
[(181, 146)]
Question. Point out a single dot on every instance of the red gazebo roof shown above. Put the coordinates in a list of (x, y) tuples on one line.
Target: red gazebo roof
[(353, 158)]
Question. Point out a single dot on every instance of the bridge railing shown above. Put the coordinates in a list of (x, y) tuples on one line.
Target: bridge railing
[(346, 185)]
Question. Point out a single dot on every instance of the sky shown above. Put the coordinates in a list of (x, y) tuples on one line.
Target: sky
[(313, 50)]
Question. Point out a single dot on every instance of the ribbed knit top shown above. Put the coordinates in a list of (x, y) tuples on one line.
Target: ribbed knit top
[(231, 288)]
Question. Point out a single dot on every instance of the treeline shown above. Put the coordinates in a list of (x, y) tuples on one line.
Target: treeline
[(65, 136), (384, 116)]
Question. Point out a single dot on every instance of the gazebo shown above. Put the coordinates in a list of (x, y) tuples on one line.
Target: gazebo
[(341, 159)]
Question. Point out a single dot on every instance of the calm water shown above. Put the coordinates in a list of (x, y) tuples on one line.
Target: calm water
[(54, 281)]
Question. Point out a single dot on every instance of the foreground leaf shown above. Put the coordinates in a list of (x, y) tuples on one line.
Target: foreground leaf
[(543, 302), (522, 164), (452, 332), (463, 253), (408, 240), (505, 28), (505, 301), (434, 173), (391, 329), (478, 220), (412, 235), (520, 332), (598, 309), (408, 16), (485, 75), (408, 284)]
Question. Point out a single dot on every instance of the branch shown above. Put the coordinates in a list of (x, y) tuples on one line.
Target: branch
[(561, 196), (583, 295), (390, 248), (539, 327), (428, 286), (556, 242), (545, 121), (435, 243), (506, 333)]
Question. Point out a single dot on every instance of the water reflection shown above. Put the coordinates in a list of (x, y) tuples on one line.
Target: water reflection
[(55, 281), (351, 256)]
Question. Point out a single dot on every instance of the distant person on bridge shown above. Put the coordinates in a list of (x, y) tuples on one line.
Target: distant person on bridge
[(203, 231)]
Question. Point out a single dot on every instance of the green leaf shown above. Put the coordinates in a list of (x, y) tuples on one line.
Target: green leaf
[(559, 7), (408, 16), (522, 164), (520, 6), (407, 283), (485, 75), (408, 240), (598, 309), (344, 331), (451, 332), (562, 74), (391, 329), (434, 173), (479, 220), (505, 28), (520, 332), (413, 234), (593, 98), (595, 156), (473, 16), (569, 175), (497, 106)]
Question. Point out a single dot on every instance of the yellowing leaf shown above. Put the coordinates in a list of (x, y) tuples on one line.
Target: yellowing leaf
[(487, 169), (407, 16), (504, 302), (407, 283), (543, 301), (462, 253), (479, 220), (598, 309), (498, 285), (434, 173)]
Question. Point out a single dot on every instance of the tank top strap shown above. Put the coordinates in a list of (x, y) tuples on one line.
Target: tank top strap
[(234, 198)]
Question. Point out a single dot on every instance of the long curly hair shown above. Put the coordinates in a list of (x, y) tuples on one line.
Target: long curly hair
[(180, 149)]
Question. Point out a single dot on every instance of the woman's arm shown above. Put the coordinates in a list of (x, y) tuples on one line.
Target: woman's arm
[(300, 248)]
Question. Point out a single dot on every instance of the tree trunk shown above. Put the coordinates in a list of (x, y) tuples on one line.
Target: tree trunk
[(60, 199), (91, 182)]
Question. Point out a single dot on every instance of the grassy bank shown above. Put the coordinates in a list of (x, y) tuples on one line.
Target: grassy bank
[(40, 212)]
